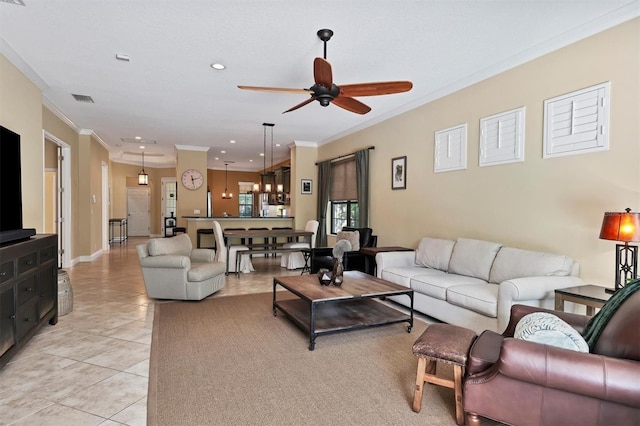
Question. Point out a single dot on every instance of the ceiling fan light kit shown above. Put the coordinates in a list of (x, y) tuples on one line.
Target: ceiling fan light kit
[(326, 92)]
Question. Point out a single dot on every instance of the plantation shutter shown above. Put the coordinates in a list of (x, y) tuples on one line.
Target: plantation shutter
[(502, 138), (343, 180), (577, 122), (450, 149)]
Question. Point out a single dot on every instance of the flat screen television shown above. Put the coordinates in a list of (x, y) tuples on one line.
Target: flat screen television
[(11, 229)]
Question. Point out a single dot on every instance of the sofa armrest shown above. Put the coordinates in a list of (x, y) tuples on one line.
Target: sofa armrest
[(203, 255), (484, 352), (605, 378), (169, 261), (389, 259), (535, 288)]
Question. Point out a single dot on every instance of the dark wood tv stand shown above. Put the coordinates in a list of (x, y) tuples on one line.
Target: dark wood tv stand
[(28, 291)]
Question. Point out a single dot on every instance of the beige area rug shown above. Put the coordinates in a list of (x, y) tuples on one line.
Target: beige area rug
[(229, 361)]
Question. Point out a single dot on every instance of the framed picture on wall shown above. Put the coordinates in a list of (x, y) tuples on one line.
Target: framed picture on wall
[(399, 173), (306, 186)]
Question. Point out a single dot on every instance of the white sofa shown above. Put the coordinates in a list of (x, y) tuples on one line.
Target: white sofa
[(474, 283)]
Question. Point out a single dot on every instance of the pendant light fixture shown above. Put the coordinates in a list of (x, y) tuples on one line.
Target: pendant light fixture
[(143, 178), (226, 195), (267, 178)]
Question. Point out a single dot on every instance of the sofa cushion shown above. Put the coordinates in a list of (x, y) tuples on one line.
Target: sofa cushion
[(203, 271), (478, 298), (473, 258), (517, 263), (548, 329), (352, 236), (402, 274), (436, 283), (434, 253), (179, 245)]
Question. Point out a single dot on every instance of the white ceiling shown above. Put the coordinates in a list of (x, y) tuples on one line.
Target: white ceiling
[(169, 93)]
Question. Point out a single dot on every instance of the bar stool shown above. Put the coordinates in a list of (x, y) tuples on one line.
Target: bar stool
[(201, 232), (274, 240), (266, 239)]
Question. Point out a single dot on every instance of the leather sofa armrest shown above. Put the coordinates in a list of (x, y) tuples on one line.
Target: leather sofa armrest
[(167, 261), (203, 255), (484, 352), (577, 321), (610, 379)]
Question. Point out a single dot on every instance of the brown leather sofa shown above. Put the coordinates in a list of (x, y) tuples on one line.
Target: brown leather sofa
[(525, 383)]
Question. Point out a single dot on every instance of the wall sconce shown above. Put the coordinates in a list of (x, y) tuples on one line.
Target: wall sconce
[(143, 178), (623, 227)]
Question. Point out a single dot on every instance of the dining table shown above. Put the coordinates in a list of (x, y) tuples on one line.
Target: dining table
[(270, 234)]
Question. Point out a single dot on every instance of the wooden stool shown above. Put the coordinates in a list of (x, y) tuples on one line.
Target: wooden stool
[(442, 343)]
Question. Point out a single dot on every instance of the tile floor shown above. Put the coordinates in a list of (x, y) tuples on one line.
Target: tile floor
[(92, 367)]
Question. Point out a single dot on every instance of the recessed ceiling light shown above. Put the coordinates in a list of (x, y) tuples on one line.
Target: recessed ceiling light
[(137, 138), (141, 146), (218, 66), (251, 161), (223, 152), (216, 158), (232, 141), (262, 154), (277, 144)]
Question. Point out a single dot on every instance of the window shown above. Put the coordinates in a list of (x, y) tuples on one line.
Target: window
[(344, 213), (344, 195), (577, 122), (245, 206), (502, 138), (245, 199)]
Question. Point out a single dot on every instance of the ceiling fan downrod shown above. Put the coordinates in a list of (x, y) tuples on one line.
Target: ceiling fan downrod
[(325, 35)]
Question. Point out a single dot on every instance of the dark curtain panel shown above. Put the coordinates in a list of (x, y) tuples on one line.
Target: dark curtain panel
[(362, 182), (324, 189)]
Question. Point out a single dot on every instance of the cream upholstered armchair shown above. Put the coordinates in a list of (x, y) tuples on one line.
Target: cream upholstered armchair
[(172, 269), (295, 260)]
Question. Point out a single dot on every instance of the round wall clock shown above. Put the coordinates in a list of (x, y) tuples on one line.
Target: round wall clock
[(192, 179)]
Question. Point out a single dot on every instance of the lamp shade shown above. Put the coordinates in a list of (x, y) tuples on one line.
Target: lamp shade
[(621, 226)]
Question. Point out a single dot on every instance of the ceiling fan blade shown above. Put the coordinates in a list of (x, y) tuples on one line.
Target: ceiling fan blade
[(322, 73), (301, 104), (374, 89), (275, 89), (351, 104)]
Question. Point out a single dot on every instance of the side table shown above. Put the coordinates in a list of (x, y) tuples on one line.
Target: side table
[(370, 256), (592, 296)]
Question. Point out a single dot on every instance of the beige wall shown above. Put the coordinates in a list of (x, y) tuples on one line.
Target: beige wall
[(303, 206), (191, 200), (553, 205), (21, 112), (56, 127)]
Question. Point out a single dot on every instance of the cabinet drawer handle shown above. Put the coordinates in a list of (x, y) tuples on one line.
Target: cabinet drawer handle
[(3, 274), (29, 290), (12, 316), (29, 262)]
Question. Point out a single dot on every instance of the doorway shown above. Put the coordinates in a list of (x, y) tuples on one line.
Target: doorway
[(57, 187), (138, 215)]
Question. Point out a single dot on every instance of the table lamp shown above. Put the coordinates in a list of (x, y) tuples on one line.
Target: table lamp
[(625, 227)]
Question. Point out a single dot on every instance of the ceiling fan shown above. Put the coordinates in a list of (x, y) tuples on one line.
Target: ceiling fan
[(326, 92)]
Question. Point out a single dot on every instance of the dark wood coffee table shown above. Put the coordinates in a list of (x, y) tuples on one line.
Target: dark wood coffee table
[(322, 309)]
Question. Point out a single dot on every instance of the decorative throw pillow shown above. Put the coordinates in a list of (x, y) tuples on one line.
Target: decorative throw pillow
[(548, 329), (434, 253), (473, 258), (352, 236)]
